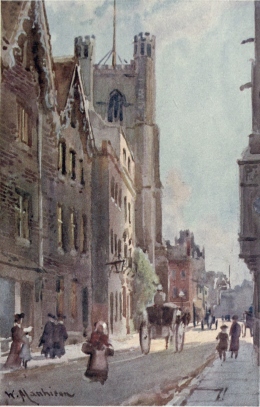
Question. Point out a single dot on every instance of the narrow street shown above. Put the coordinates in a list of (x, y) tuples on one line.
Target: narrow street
[(134, 379)]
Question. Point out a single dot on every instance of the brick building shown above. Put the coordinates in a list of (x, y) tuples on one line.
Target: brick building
[(186, 270)]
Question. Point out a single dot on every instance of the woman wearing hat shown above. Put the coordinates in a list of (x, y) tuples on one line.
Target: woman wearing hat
[(223, 342), (13, 360), (99, 349), (235, 332)]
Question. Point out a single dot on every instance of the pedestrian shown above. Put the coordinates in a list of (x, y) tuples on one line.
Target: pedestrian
[(210, 320), (47, 337), (59, 337), (222, 318), (14, 360), (216, 323), (99, 349), (222, 346), (235, 332), (25, 353)]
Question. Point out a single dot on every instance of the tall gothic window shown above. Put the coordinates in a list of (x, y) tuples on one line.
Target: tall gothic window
[(115, 106), (22, 215)]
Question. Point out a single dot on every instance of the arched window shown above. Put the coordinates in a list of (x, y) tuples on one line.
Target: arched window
[(115, 106)]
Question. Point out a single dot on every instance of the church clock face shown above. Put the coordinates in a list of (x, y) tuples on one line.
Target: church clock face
[(256, 205)]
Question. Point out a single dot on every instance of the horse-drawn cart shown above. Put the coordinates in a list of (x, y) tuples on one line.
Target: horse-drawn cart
[(163, 322)]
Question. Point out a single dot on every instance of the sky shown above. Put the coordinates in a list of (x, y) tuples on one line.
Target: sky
[(204, 118)]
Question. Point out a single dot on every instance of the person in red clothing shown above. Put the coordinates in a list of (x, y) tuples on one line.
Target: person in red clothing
[(99, 349), (98, 338)]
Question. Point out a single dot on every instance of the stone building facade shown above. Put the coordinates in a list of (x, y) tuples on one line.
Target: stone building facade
[(249, 169), (125, 94), (80, 179), (28, 117)]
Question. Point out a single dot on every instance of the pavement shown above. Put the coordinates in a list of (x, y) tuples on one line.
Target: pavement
[(234, 382), (72, 353)]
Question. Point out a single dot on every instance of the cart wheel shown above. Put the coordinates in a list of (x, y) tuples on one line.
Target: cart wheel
[(145, 338), (179, 336)]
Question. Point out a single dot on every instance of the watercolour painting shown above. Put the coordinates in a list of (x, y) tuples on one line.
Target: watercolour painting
[(130, 202)]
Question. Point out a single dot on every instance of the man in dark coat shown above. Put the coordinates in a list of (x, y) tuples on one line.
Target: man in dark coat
[(235, 332), (47, 337), (59, 337)]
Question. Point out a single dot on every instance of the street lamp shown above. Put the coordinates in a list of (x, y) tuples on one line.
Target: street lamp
[(181, 295)]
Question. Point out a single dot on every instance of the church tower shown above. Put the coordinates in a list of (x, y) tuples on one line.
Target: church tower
[(146, 147)]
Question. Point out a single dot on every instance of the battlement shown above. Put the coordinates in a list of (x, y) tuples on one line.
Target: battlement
[(82, 46), (129, 68), (144, 45)]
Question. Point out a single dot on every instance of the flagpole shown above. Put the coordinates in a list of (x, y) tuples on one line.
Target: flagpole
[(114, 38)]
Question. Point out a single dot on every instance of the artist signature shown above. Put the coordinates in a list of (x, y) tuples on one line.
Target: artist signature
[(29, 395)]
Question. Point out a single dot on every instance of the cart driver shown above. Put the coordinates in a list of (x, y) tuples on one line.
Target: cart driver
[(160, 296)]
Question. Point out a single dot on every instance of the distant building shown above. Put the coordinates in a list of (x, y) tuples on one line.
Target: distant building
[(186, 268), (249, 168), (235, 301)]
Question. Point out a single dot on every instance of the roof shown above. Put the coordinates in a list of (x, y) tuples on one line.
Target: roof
[(63, 68)]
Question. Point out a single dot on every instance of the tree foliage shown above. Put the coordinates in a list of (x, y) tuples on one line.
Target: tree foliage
[(144, 285)]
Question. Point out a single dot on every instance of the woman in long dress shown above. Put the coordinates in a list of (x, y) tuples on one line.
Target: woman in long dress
[(14, 360), (99, 349)]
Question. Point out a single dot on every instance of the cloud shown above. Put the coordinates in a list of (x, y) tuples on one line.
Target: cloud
[(175, 195)]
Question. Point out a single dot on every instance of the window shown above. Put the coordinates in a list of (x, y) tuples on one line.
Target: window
[(116, 193), (142, 48), (60, 295), (62, 157), (129, 164), (73, 230), (82, 180), (119, 247), (112, 241), (60, 227), (72, 165), (120, 306), (83, 234), (174, 292), (112, 188), (124, 155), (124, 302), (125, 208), (22, 215), (23, 125), (73, 299), (129, 212), (115, 240), (173, 274), (115, 106), (120, 198), (116, 303), (85, 307), (149, 50), (125, 251), (183, 274)]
